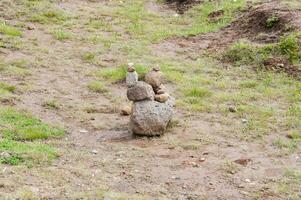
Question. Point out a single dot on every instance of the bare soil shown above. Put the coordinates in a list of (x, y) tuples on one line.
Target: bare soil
[(99, 151)]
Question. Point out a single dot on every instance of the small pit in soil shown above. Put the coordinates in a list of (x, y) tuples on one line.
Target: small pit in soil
[(182, 5)]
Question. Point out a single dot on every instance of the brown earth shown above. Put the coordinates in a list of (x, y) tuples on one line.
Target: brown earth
[(99, 151)]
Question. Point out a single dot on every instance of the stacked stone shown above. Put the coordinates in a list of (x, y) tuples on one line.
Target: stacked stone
[(152, 107)]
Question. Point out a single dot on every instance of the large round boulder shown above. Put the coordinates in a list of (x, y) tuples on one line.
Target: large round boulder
[(150, 118), (140, 91)]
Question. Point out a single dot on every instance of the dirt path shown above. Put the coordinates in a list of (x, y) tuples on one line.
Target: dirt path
[(100, 154)]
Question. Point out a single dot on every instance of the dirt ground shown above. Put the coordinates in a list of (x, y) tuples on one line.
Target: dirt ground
[(99, 155)]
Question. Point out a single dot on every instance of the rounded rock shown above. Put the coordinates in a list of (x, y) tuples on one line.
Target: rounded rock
[(150, 118), (140, 91), (154, 78)]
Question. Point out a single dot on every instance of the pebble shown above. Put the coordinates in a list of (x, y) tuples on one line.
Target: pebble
[(244, 121), (5, 154), (94, 151), (162, 97), (83, 131), (247, 180), (202, 159), (194, 164), (126, 110), (176, 177), (232, 109)]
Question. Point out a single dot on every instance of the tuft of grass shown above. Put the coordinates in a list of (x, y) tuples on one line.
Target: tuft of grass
[(241, 53), (61, 35), (97, 86), (290, 46), (9, 30), (47, 14), (244, 52), (289, 145), (51, 104), (289, 185), (230, 167), (6, 92), (295, 135), (197, 92), (6, 87), (272, 21), (88, 56)]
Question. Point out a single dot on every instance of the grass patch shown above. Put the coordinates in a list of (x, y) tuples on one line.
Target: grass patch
[(51, 104), (18, 68), (7, 87), (61, 35), (289, 186), (47, 14), (244, 52), (16, 152), (9, 30), (272, 21), (16, 128), (88, 56), (6, 92), (97, 86), (21, 126), (289, 146)]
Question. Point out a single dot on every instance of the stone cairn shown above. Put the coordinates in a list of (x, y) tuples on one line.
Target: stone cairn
[(152, 107)]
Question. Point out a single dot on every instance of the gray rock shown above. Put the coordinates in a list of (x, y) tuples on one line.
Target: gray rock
[(131, 78), (140, 91), (150, 118)]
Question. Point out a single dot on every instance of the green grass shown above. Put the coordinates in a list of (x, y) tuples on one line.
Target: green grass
[(47, 14), (61, 35), (272, 21), (289, 146), (88, 56), (6, 92), (16, 68), (289, 185), (97, 86), (244, 52), (22, 136), (7, 87), (26, 152), (21, 126), (9, 30)]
